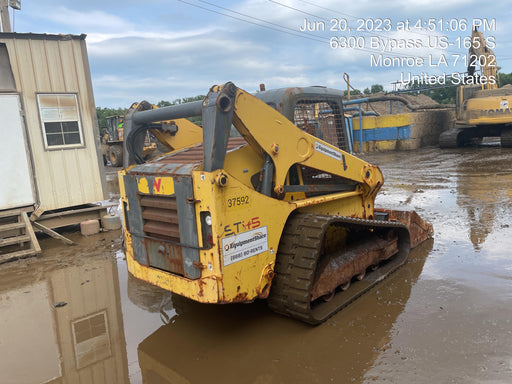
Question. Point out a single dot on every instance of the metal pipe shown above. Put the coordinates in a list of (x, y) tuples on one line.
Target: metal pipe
[(360, 130), (398, 98), (365, 113), (168, 113), (350, 133), (356, 101)]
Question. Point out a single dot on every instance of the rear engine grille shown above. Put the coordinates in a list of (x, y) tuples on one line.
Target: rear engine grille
[(160, 216)]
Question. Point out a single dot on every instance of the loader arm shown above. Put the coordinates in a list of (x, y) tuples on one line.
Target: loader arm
[(276, 136)]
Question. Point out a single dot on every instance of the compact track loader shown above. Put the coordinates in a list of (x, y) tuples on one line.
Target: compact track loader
[(261, 202)]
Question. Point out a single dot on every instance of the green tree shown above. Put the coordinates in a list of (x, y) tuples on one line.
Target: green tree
[(443, 95), (353, 92), (103, 113), (505, 78), (376, 88), (440, 94), (164, 103), (196, 119)]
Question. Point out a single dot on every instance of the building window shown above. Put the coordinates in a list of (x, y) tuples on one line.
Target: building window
[(61, 121)]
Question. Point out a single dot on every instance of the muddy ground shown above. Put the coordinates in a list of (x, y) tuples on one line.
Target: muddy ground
[(74, 315)]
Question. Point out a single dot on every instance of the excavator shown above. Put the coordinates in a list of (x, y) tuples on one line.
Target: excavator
[(481, 110), (262, 201)]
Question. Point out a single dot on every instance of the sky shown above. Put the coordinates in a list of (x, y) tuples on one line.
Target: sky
[(170, 49)]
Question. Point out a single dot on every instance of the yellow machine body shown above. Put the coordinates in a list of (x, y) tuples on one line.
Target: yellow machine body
[(234, 228)]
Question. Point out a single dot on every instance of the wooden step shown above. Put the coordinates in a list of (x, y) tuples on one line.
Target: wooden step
[(14, 240), (9, 227), (17, 255), (30, 232), (9, 236), (10, 212)]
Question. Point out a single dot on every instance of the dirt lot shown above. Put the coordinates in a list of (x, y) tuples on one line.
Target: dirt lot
[(74, 315)]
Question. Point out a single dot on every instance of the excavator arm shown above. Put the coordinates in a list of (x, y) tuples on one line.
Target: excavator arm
[(481, 55)]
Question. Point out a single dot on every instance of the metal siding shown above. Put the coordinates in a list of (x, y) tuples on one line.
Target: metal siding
[(89, 104), (54, 65), (64, 177), (22, 66), (69, 60), (91, 177), (42, 77)]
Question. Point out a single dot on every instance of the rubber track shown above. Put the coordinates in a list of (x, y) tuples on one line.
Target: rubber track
[(298, 254)]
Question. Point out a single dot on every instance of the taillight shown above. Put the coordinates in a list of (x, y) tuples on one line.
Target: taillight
[(206, 228)]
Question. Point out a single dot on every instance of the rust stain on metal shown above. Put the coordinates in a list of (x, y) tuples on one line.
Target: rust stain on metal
[(241, 297), (198, 265), (419, 229), (341, 268), (195, 154), (169, 253), (201, 284)]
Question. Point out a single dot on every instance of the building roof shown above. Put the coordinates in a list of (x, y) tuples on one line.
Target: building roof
[(41, 36)]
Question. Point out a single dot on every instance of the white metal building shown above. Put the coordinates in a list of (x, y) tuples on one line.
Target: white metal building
[(51, 165)]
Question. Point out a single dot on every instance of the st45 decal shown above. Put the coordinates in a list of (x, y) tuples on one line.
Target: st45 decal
[(241, 226)]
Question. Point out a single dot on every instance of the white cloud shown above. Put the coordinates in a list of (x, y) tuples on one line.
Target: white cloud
[(168, 50), (94, 38), (86, 21)]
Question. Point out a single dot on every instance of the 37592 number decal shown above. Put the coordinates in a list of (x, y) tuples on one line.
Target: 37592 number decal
[(237, 201)]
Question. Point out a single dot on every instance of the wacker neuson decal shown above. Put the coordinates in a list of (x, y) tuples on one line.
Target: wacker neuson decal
[(328, 151)]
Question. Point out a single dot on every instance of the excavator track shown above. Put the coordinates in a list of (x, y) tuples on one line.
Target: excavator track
[(300, 257), (450, 138), (461, 135), (506, 137)]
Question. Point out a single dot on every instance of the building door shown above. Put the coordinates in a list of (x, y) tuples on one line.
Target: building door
[(16, 174)]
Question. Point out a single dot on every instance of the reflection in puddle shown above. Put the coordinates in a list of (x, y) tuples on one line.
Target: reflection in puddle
[(248, 344), (62, 321)]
